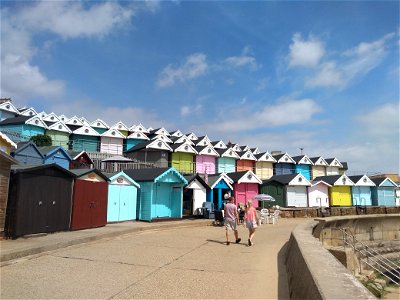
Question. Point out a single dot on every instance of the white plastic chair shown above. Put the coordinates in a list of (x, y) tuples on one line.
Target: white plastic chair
[(264, 216), (275, 216)]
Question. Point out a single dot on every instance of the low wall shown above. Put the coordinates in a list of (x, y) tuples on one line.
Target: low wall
[(314, 212), (313, 273)]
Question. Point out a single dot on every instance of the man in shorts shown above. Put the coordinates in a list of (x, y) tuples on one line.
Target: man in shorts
[(231, 219)]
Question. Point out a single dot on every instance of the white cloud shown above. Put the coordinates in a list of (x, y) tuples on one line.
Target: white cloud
[(305, 53), (194, 66), (285, 112), (353, 63), (246, 59), (262, 84), (189, 110)]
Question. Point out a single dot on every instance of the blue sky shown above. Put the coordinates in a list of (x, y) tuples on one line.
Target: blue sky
[(323, 76)]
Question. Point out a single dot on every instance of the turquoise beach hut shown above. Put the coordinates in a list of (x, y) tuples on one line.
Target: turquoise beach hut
[(161, 193), (122, 198), (361, 191), (303, 165), (383, 192)]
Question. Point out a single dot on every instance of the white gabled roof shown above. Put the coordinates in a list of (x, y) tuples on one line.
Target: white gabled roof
[(74, 121), (162, 131), (139, 127), (344, 180), (192, 136), (184, 139), (250, 177), (122, 178), (314, 183), (177, 133), (286, 158), (225, 177), (335, 163), (63, 118), (86, 130), (159, 144), (185, 147), (229, 152), (113, 133), (236, 148), (363, 181), (248, 155), (60, 126), (8, 106), (266, 156), (219, 145), (149, 129), (208, 150), (51, 117), (244, 148), (320, 162), (138, 135), (305, 161), (162, 137), (29, 112), (42, 115), (255, 150), (99, 123), (120, 126), (204, 141), (36, 121), (84, 121), (300, 180)]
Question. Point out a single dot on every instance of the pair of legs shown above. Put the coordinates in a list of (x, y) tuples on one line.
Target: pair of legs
[(235, 232), (252, 231)]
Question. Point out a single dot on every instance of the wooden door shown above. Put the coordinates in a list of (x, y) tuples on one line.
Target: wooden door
[(113, 203), (127, 203), (99, 203), (81, 206), (162, 201), (244, 165)]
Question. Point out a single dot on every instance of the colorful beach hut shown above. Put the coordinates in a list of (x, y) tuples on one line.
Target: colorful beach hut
[(334, 165), (194, 194), (203, 141), (340, 192), (27, 153), (122, 198), (246, 161), (226, 162), (205, 159), (100, 126), (122, 128), (155, 152), (27, 111), (6, 144), (383, 193), (219, 145), (361, 191), (303, 166), (264, 165), (318, 167), (112, 141), (59, 133), (318, 194), (161, 193), (85, 138), (90, 198), (80, 160), (245, 186), (39, 200), (55, 155), (25, 127), (133, 139), (8, 110), (182, 158), (219, 185), (284, 164)]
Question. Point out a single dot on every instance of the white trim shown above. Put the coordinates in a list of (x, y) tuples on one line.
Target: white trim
[(305, 161), (75, 121), (29, 112), (256, 151), (149, 129), (208, 150), (220, 145), (181, 148), (192, 136), (335, 163), (86, 130), (232, 153), (113, 133), (364, 181), (223, 176), (387, 178), (299, 180), (320, 181), (177, 133), (99, 123), (7, 139), (85, 122), (120, 126), (155, 144), (162, 137), (115, 177), (245, 148), (56, 127), (245, 178), (267, 157), (8, 106), (248, 155), (162, 131), (321, 162), (288, 160), (42, 115), (139, 127), (51, 117), (340, 182), (184, 139), (236, 148), (205, 141), (138, 135), (36, 121), (61, 117)]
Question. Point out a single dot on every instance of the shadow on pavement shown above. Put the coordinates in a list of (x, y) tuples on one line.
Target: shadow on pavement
[(283, 287), (218, 242)]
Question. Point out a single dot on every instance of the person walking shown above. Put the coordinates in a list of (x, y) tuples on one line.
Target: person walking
[(231, 219), (251, 219)]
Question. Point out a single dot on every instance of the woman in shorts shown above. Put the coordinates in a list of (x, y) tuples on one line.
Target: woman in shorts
[(251, 218)]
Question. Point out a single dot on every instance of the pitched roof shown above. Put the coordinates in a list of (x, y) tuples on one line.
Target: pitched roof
[(145, 174), (196, 176), (75, 154), (151, 143), (302, 159), (47, 150), (82, 172), (23, 145), (333, 179), (228, 152), (238, 176), (30, 168), (380, 180), (284, 179), (265, 156), (215, 178), (16, 120)]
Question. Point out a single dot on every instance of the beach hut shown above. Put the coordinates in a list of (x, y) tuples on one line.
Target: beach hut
[(333, 166), (100, 126), (176, 133), (192, 136), (205, 159), (245, 186), (59, 133), (160, 136), (158, 131), (155, 152), (383, 193), (194, 194), (203, 141), (6, 161), (74, 121), (27, 111), (39, 200), (6, 144), (112, 141), (133, 139), (79, 160), (122, 128), (361, 191), (318, 194), (8, 110), (51, 118), (255, 150), (63, 118), (182, 139), (246, 161), (219, 145), (182, 158), (122, 198), (139, 128), (303, 166), (226, 162), (235, 147), (289, 190), (340, 192), (318, 168), (264, 165), (84, 121), (219, 185), (344, 168), (161, 193), (85, 138), (27, 153), (284, 164), (89, 201), (55, 155), (23, 126)]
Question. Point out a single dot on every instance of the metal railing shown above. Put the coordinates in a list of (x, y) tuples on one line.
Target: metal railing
[(372, 258)]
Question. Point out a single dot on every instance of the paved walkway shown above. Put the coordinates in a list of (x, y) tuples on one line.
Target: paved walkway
[(159, 260)]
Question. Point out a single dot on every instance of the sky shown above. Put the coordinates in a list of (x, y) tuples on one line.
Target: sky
[(277, 75)]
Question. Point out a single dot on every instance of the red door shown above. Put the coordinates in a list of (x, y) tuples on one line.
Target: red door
[(240, 193), (99, 206)]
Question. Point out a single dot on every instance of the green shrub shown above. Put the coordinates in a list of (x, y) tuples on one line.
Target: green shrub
[(42, 140)]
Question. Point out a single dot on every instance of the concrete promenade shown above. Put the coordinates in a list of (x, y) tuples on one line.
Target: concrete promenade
[(182, 259)]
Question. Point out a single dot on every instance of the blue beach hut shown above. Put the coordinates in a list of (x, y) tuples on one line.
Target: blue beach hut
[(383, 192), (161, 193), (122, 198), (226, 162), (133, 139), (303, 166), (8, 110), (55, 154), (27, 153), (219, 185), (23, 126), (361, 190), (284, 164)]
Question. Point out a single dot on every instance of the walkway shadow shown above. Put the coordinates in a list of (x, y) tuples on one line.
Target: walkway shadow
[(283, 287), (218, 242)]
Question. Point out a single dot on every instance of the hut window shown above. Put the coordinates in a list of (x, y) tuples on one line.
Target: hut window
[(344, 180), (138, 135), (162, 138), (74, 121), (300, 179), (286, 159), (267, 157), (248, 155), (120, 180), (52, 118), (98, 124), (30, 113), (365, 180), (186, 147), (119, 126), (230, 153), (36, 122), (249, 177), (8, 106), (59, 127), (209, 151), (184, 141), (159, 144), (86, 130), (113, 133)]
